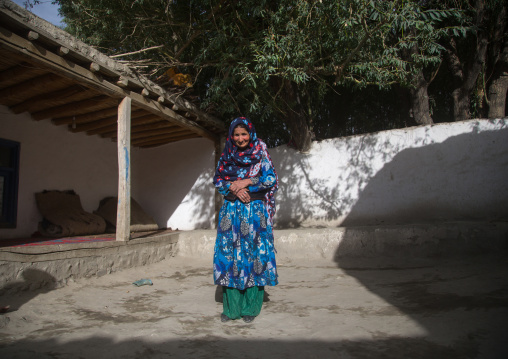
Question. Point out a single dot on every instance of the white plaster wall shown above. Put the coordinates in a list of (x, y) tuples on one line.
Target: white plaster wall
[(173, 183), (445, 172), (455, 171), (52, 158)]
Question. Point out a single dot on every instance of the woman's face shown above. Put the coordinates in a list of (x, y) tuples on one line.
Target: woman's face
[(241, 137)]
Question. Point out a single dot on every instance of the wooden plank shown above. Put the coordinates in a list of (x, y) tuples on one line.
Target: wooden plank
[(24, 89), (157, 132), (87, 117), (152, 126), (109, 125), (123, 218), (41, 56), (110, 131), (162, 139), (53, 98), (18, 73), (77, 108)]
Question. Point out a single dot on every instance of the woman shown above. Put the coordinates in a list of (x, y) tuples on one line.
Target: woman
[(244, 256)]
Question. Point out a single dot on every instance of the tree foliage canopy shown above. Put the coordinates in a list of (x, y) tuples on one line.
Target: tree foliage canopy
[(273, 60)]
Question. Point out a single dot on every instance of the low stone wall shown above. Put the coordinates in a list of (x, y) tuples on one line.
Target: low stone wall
[(439, 240), (28, 268)]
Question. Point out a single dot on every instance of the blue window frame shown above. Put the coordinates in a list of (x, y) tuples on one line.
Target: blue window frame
[(9, 174)]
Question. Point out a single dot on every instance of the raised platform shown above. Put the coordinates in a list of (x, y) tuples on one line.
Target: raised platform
[(55, 262), (33, 266)]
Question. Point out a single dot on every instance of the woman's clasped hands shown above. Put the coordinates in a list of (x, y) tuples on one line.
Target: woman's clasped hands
[(239, 189)]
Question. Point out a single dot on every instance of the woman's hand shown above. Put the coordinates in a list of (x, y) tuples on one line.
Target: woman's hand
[(243, 195), (238, 185)]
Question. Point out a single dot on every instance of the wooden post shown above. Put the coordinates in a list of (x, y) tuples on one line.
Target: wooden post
[(123, 214), (219, 147)]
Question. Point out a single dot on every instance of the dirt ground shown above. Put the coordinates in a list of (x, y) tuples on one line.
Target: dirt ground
[(353, 309)]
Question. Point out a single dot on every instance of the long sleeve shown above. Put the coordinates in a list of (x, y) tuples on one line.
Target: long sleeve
[(266, 178), (221, 185)]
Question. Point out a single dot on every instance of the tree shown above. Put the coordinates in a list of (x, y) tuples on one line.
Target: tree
[(476, 60), (498, 65), (272, 60)]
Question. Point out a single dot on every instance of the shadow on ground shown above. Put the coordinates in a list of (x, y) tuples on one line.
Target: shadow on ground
[(210, 347)]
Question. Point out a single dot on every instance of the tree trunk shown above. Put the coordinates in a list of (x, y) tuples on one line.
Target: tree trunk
[(499, 84), (497, 96), (294, 115), (420, 101), (466, 71)]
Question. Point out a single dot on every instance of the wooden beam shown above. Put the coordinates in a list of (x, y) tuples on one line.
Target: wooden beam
[(161, 141), (123, 82), (95, 67), (54, 98), (103, 122), (70, 108), (152, 126), (25, 88), (145, 124), (156, 132), (145, 93), (87, 117), (32, 35), (42, 57), (168, 137), (123, 217), (62, 51), (13, 74), (109, 125)]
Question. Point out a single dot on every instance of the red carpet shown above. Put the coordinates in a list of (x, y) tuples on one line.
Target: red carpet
[(25, 242)]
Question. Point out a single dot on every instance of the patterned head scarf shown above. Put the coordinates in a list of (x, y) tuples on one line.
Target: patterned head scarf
[(234, 164)]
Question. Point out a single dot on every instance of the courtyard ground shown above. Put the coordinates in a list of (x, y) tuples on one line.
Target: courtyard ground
[(453, 308)]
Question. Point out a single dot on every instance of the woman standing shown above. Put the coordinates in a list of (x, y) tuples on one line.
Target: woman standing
[(244, 256)]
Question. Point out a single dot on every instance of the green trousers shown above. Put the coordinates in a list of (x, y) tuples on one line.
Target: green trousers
[(238, 303)]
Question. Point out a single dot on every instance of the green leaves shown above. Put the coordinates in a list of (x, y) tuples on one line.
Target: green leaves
[(239, 52)]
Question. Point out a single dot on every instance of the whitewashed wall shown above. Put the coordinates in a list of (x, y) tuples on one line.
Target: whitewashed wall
[(445, 172), (456, 171), (52, 158), (172, 183)]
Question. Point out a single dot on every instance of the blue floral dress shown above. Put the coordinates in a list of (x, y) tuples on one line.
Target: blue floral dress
[(244, 254)]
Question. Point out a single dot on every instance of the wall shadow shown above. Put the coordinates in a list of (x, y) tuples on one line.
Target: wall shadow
[(407, 190), (33, 283), (410, 188)]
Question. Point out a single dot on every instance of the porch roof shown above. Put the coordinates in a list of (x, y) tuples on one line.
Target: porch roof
[(52, 75)]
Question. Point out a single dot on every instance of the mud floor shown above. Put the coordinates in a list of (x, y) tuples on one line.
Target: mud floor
[(453, 309)]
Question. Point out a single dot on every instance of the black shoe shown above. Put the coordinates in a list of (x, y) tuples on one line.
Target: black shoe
[(248, 318), (224, 318)]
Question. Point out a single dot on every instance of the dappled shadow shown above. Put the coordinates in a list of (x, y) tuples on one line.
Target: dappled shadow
[(400, 176), (173, 184)]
